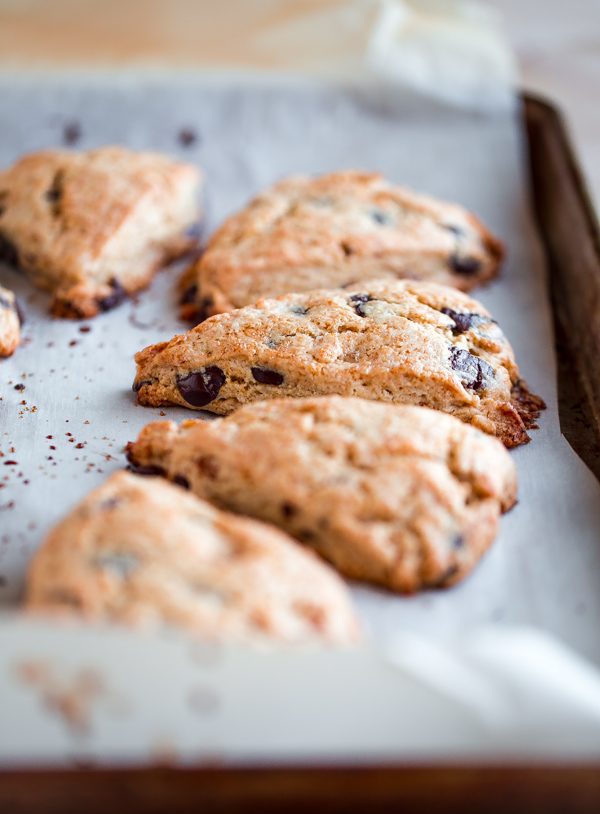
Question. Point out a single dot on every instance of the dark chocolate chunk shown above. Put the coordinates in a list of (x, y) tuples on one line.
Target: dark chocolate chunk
[(8, 252), (265, 376), (189, 295), (144, 470), (464, 265), (381, 217), (288, 509), (180, 480), (187, 137), (202, 387), (472, 370), (72, 133), (20, 387), (458, 231), (54, 194), (358, 301), (464, 322), (137, 386), (116, 298), (202, 310)]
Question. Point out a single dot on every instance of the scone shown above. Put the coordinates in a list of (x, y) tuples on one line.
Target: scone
[(142, 551), (398, 341), (328, 232), (10, 323), (400, 496), (94, 227)]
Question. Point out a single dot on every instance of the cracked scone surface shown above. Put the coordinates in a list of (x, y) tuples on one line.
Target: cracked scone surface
[(399, 341), (93, 227), (401, 496), (327, 232), (10, 323), (142, 551)]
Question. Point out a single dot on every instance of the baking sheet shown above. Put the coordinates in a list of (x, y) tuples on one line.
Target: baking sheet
[(544, 569)]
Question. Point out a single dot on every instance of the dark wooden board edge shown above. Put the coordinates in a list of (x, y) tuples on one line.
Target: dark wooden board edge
[(568, 226), (569, 231)]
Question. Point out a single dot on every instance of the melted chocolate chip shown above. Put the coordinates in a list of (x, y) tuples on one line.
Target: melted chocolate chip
[(137, 386), (464, 322), (202, 387), (189, 295), (180, 480), (472, 370), (288, 509), (202, 312), (265, 376), (466, 266), (112, 300), (8, 252), (358, 301)]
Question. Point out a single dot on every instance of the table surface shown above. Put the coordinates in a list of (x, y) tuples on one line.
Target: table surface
[(557, 43)]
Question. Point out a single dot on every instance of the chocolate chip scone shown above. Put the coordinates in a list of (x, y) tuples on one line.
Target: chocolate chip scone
[(398, 340), (140, 550), (94, 227), (10, 323), (401, 496), (328, 232)]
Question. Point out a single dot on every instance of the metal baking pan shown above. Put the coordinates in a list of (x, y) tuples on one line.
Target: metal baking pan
[(568, 228)]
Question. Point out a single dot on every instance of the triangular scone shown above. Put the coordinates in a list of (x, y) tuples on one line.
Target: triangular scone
[(139, 550), (398, 341), (94, 227), (401, 496), (335, 230), (10, 323)]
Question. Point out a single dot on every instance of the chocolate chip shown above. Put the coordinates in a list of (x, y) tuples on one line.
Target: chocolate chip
[(8, 252), (180, 480), (346, 248), (458, 231), (189, 295), (137, 386), (358, 301), (472, 370), (202, 312), (288, 509), (208, 467), (20, 387), (265, 376), (298, 310), (466, 266), (447, 575), (112, 300), (464, 322), (187, 137), (380, 217), (458, 541), (202, 387), (72, 133)]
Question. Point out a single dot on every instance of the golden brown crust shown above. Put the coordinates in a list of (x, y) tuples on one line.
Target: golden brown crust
[(140, 550), (401, 496), (94, 227), (398, 341), (338, 229)]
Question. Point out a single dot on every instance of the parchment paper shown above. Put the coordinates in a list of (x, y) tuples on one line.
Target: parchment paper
[(544, 569)]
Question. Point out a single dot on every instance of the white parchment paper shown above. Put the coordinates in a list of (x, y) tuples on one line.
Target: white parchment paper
[(66, 430)]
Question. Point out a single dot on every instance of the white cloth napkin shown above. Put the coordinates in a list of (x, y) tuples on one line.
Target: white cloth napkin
[(451, 50)]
